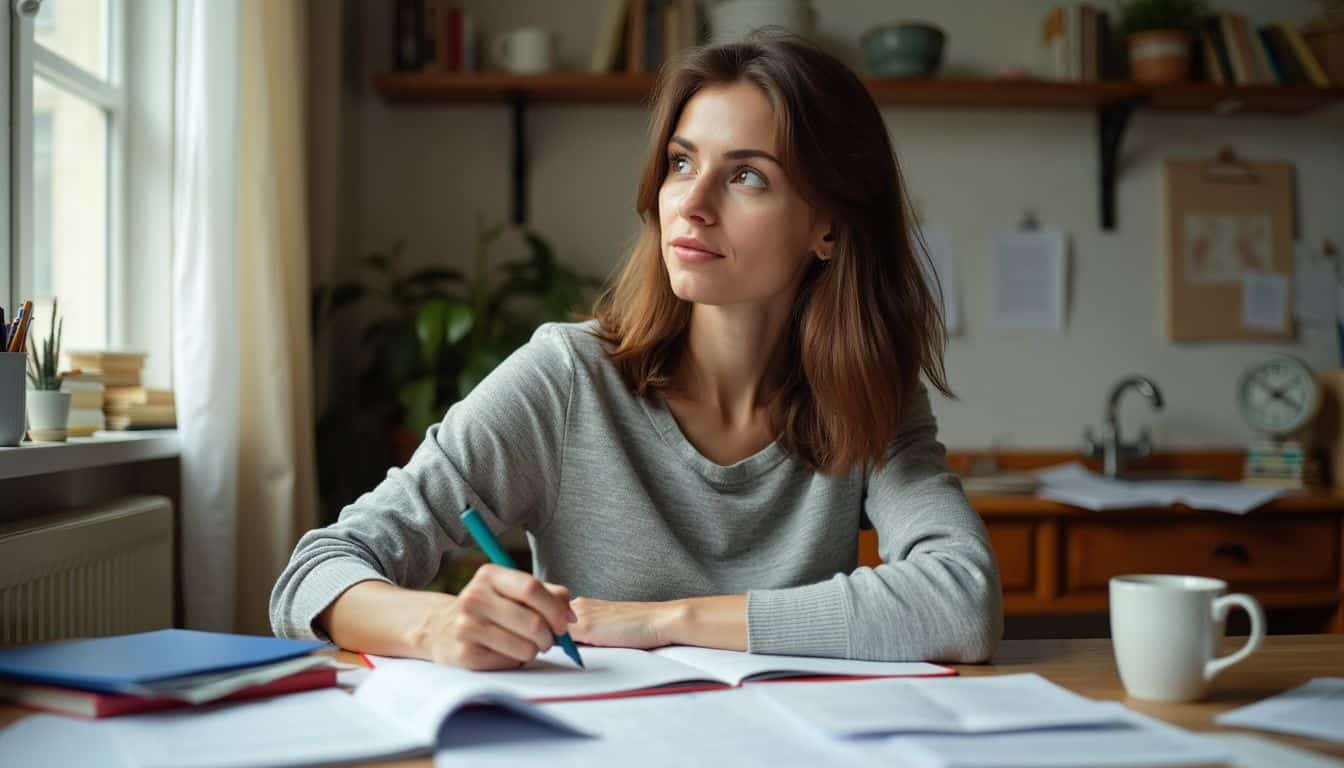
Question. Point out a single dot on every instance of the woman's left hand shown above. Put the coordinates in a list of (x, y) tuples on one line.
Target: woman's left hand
[(622, 624)]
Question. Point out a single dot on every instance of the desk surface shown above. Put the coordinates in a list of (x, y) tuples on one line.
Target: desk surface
[(1088, 668)]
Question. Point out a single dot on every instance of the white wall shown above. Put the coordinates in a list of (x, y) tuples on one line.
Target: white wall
[(423, 174)]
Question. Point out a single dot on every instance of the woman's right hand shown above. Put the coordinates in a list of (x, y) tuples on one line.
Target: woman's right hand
[(501, 620)]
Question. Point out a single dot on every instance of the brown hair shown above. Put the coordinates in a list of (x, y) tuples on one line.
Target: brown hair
[(865, 324)]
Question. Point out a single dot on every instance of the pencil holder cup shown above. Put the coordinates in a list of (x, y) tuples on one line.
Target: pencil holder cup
[(12, 397)]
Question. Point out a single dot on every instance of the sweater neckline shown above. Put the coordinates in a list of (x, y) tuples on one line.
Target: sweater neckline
[(740, 472)]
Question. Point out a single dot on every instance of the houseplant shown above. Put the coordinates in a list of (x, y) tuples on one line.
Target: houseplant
[(426, 339), (1158, 34), (48, 406)]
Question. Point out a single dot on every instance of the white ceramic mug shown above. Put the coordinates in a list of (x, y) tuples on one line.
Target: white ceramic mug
[(526, 50), (1166, 629)]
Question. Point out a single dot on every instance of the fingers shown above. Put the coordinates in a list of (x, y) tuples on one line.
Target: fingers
[(520, 620), (522, 588)]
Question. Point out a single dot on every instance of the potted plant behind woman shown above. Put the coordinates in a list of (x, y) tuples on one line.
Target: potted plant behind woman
[(1159, 34), (48, 406)]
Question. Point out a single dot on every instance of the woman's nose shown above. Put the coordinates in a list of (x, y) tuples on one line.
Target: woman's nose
[(698, 202)]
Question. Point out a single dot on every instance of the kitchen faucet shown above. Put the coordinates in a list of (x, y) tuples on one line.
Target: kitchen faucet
[(1110, 447)]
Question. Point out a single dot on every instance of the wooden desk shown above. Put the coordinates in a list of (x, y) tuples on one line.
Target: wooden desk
[(1088, 668)]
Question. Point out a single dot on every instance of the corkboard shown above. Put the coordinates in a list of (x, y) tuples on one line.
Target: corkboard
[(1225, 218)]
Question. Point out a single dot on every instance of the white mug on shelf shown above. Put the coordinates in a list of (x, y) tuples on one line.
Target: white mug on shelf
[(526, 50), (1166, 630)]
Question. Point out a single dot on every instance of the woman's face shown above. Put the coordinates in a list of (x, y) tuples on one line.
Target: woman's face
[(725, 189)]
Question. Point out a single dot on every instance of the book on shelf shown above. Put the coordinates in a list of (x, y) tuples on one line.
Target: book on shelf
[(134, 416), (107, 361), (434, 36), (138, 396), (610, 36), (1080, 44), (657, 30), (83, 421)]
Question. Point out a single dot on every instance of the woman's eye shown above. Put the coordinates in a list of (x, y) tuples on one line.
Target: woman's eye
[(676, 161), (749, 177)]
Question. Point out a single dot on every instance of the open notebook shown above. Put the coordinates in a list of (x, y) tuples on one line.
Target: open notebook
[(627, 671)]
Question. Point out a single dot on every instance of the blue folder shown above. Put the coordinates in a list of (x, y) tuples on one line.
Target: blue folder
[(118, 664)]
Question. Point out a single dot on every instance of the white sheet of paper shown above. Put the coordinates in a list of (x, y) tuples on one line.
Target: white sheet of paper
[(946, 705), (1315, 291), (56, 741), (720, 728), (735, 667), (1074, 484), (944, 263), (397, 711), (1141, 741), (1315, 709), (1028, 281), (1252, 751), (1264, 301)]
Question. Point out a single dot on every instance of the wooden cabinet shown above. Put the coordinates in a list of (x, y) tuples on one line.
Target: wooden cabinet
[(1056, 559)]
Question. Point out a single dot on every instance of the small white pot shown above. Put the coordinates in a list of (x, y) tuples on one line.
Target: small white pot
[(48, 411)]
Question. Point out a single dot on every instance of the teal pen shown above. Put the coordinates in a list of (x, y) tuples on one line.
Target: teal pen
[(487, 541)]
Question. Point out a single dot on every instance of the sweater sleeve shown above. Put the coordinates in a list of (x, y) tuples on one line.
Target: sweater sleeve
[(935, 597), (499, 450)]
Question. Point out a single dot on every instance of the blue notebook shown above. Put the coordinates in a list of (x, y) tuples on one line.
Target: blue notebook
[(117, 664)]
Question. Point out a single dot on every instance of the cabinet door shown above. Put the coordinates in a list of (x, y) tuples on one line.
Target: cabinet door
[(1293, 552)]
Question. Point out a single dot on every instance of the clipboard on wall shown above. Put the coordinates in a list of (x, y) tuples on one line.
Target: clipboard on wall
[(1229, 263)]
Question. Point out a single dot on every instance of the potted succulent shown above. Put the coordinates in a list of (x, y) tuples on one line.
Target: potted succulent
[(48, 406), (1159, 34)]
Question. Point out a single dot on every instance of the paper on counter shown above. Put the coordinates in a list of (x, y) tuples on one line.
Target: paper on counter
[(1315, 709), (1028, 281), (1074, 484), (1264, 301)]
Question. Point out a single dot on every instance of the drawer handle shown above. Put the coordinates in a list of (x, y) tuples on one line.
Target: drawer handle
[(1233, 551)]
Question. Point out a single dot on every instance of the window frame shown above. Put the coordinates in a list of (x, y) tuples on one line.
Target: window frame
[(30, 59)]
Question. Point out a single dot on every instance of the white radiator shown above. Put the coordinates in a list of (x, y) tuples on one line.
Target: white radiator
[(88, 572)]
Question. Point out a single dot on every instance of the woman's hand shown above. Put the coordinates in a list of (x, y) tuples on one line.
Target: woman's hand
[(621, 624), (501, 620)]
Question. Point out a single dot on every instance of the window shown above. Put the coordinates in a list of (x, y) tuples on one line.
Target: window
[(69, 118)]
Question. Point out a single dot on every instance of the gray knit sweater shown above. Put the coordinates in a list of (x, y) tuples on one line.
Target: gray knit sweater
[(619, 505)]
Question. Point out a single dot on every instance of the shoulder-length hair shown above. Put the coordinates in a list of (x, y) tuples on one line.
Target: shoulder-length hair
[(865, 324)]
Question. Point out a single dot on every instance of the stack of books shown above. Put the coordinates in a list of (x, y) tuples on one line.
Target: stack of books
[(1280, 465), (127, 403), (140, 408), (86, 402), (1234, 51), (433, 35), (162, 669), (1079, 43)]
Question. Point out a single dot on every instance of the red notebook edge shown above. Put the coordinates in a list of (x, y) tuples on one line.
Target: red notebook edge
[(97, 705)]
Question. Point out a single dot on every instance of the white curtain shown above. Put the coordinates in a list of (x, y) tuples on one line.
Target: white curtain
[(242, 363), (206, 343)]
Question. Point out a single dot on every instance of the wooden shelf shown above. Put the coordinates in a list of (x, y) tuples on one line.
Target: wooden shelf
[(1114, 103), (580, 87)]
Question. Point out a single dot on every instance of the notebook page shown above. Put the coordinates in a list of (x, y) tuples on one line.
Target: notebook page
[(733, 667), (717, 728), (1315, 709), (308, 728), (938, 705), (552, 675)]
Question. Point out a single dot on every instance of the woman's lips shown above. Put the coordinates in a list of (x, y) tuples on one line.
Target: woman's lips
[(694, 255)]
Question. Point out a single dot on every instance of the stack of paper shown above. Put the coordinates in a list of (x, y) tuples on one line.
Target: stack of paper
[(1075, 484)]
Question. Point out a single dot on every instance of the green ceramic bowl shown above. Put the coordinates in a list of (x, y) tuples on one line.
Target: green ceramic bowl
[(906, 49)]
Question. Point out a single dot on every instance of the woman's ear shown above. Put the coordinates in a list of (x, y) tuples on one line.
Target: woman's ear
[(824, 249)]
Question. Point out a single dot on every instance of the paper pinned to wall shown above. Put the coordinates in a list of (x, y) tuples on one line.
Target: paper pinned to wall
[(1264, 301), (1315, 291), (1028, 281), (944, 263)]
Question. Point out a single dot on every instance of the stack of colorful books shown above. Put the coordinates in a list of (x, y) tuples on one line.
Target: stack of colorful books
[(1281, 465), (162, 669)]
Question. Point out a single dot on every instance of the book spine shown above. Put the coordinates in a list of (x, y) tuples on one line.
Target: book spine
[(405, 38), (1213, 26), (431, 55), (634, 49), (1283, 53), (1310, 64)]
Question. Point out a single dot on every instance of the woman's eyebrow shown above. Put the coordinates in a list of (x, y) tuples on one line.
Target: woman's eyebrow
[(734, 154)]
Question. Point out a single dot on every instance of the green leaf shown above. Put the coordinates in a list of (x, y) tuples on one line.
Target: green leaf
[(430, 323), (458, 322), (417, 398)]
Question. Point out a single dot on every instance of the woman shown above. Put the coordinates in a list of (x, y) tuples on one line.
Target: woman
[(694, 464)]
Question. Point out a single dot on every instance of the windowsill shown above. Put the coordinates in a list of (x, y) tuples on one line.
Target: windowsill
[(103, 449)]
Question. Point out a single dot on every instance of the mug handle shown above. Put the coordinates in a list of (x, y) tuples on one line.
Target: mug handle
[(1247, 603)]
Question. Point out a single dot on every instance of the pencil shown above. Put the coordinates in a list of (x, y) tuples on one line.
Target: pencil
[(18, 341)]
